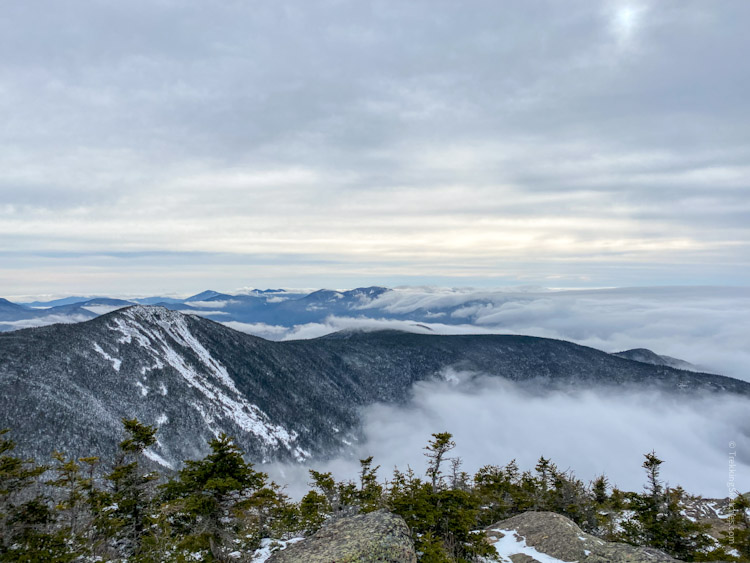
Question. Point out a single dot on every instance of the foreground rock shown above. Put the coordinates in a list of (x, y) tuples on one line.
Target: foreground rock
[(546, 537), (368, 538)]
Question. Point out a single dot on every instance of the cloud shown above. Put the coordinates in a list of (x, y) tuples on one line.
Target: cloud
[(42, 321), (269, 332), (208, 304), (202, 313), (703, 325), (390, 142), (591, 432)]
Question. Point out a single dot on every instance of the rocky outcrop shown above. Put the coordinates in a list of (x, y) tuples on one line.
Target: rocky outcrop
[(546, 537), (368, 538), (716, 513)]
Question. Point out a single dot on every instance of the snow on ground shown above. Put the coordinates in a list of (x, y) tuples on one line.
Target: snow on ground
[(269, 546), (512, 544), (115, 362), (153, 456), (214, 381)]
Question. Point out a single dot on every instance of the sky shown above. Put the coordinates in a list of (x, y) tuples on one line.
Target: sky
[(158, 146)]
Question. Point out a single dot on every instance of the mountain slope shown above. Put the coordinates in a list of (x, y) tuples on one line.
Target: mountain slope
[(649, 357), (67, 386)]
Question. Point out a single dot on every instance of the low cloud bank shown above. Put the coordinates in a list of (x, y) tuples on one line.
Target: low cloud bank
[(42, 321), (706, 326), (591, 432)]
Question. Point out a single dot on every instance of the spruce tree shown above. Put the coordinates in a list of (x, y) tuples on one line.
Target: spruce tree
[(435, 452), (203, 499)]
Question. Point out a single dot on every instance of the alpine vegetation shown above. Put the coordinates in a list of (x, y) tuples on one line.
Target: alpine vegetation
[(220, 508)]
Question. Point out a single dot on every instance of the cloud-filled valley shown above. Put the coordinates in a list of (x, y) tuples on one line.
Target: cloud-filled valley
[(703, 325), (590, 432), (493, 420)]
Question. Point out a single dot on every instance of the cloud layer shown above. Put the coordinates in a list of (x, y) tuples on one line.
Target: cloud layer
[(703, 325), (160, 145), (589, 432)]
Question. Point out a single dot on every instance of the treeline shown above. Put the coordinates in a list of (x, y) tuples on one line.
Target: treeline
[(220, 508)]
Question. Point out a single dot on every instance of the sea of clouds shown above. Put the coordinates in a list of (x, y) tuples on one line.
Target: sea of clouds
[(590, 432), (706, 326)]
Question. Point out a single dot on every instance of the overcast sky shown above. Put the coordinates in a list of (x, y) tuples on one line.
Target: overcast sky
[(167, 146)]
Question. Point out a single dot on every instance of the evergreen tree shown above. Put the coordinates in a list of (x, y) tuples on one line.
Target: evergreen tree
[(203, 501), (122, 513), (737, 540), (73, 484), (658, 520), (436, 451), (370, 494), (443, 521), (28, 530)]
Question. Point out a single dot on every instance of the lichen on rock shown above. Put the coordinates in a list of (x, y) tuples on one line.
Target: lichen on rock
[(545, 536), (368, 538)]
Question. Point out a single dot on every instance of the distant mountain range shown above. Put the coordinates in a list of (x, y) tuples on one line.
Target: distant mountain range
[(271, 306), (278, 314), (67, 386)]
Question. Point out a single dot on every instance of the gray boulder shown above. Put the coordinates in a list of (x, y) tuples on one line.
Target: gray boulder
[(368, 538), (544, 537)]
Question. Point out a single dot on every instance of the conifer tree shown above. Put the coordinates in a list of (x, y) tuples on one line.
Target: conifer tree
[(370, 492), (122, 513), (204, 497), (737, 540), (27, 522), (658, 519), (436, 451)]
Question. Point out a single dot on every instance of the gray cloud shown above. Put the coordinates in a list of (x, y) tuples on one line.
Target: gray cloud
[(402, 140)]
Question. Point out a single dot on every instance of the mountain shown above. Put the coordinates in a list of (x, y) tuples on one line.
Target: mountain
[(14, 316), (67, 386), (206, 295), (56, 302), (647, 356), (12, 312), (157, 300)]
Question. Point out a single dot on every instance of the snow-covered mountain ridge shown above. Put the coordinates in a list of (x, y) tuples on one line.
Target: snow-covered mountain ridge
[(66, 387)]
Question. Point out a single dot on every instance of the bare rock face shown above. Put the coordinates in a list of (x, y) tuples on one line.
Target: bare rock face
[(368, 538), (546, 537)]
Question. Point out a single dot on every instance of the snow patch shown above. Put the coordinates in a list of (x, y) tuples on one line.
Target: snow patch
[(510, 543), (115, 362), (153, 456), (269, 546), (211, 379)]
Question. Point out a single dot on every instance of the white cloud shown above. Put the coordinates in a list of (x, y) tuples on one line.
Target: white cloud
[(705, 326), (209, 304), (202, 313), (43, 321), (590, 432), (269, 332), (702, 325)]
